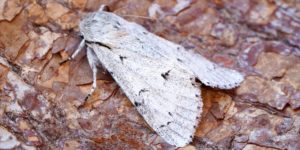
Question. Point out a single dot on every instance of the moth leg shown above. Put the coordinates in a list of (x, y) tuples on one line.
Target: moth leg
[(94, 63), (79, 48), (154, 139), (90, 103)]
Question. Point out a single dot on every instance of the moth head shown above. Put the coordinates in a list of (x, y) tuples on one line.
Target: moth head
[(99, 24)]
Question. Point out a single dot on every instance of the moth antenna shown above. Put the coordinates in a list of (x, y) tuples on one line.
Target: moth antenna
[(143, 17)]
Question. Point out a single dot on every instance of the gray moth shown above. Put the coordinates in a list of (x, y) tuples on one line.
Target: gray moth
[(158, 76)]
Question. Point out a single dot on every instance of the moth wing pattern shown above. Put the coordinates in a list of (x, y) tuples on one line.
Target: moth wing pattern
[(163, 90), (163, 93), (157, 76), (209, 73)]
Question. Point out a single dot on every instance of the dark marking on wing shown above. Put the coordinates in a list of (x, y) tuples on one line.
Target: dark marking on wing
[(166, 74), (161, 126), (137, 104), (122, 58), (138, 39), (98, 43), (142, 90), (170, 113), (116, 27)]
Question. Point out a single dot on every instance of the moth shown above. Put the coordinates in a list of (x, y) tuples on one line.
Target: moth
[(158, 76)]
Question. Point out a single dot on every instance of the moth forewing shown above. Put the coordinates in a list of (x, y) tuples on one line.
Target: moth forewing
[(158, 76), (169, 102)]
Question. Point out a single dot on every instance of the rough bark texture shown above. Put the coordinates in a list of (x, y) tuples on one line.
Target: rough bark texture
[(39, 98)]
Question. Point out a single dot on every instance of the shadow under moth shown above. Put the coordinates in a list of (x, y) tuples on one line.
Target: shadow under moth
[(158, 76)]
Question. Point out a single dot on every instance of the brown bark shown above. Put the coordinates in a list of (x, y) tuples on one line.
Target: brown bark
[(39, 97)]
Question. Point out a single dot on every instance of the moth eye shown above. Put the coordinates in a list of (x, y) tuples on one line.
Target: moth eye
[(81, 35)]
